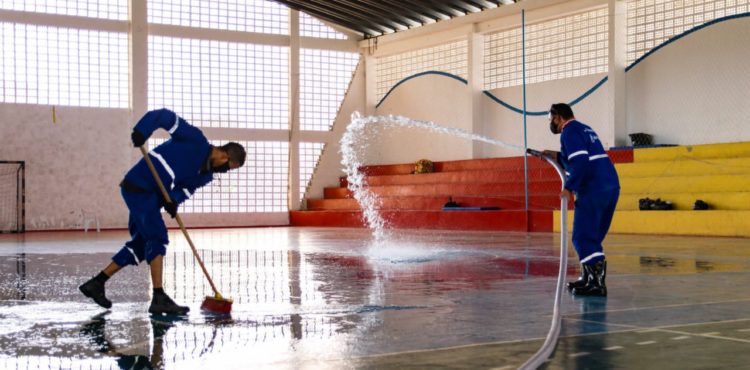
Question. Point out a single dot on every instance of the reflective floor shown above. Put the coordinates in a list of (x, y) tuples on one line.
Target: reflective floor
[(310, 298)]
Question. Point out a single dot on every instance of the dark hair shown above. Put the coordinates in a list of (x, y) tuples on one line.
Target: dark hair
[(561, 109), (235, 151)]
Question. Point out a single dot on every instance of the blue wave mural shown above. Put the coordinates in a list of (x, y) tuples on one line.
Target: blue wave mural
[(585, 94)]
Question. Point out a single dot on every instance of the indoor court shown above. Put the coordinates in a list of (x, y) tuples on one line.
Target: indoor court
[(355, 184)]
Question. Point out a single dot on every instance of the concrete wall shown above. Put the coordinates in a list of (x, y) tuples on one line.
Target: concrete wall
[(329, 167), (435, 98), (694, 90), (506, 125), (72, 165)]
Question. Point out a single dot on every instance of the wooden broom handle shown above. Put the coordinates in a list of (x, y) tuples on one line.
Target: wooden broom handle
[(177, 217)]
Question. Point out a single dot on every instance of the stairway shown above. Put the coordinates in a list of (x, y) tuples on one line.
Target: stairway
[(416, 200)]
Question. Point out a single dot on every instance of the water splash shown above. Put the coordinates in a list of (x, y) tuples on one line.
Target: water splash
[(354, 142)]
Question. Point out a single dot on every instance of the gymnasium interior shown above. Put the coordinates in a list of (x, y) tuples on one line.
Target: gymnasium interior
[(388, 214)]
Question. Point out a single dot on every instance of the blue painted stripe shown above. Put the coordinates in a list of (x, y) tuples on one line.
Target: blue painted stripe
[(675, 38), (446, 74), (541, 113), (588, 92)]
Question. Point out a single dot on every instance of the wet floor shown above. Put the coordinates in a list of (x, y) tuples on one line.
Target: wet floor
[(311, 298)]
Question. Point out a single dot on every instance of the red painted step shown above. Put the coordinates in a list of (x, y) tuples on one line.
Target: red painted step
[(486, 176), (446, 190), (506, 163), (415, 201), (616, 155), (433, 203), (504, 220)]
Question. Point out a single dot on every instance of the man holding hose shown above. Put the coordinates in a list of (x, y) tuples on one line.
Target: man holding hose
[(593, 179), (184, 163)]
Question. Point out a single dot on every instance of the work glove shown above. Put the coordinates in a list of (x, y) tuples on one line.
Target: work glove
[(171, 208), (138, 138)]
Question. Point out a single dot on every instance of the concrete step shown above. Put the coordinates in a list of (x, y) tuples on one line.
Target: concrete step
[(465, 177), (725, 150), (454, 190), (685, 184), (685, 167), (548, 202), (734, 201), (505, 163), (706, 223)]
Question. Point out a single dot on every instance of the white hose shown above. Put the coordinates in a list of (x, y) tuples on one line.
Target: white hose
[(554, 332)]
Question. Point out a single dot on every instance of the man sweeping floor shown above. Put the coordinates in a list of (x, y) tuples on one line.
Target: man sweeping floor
[(184, 163)]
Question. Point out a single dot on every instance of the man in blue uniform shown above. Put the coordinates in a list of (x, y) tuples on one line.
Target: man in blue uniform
[(184, 163), (593, 179)]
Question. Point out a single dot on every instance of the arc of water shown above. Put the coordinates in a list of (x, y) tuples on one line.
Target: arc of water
[(354, 139)]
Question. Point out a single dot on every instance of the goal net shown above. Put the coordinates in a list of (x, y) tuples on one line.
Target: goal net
[(12, 197)]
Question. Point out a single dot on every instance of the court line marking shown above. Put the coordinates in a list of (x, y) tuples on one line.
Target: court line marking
[(681, 337), (613, 348), (669, 306), (646, 342), (578, 354)]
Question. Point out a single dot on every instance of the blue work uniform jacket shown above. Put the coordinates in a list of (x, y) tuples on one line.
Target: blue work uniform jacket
[(588, 167), (180, 161)]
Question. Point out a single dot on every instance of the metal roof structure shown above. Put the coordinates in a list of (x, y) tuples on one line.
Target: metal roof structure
[(373, 18)]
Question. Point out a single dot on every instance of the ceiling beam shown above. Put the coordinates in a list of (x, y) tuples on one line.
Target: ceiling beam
[(325, 12), (343, 22), (389, 18), (326, 8), (414, 17), (440, 6), (428, 12)]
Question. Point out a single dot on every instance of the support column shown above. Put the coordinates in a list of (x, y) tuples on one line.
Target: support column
[(138, 58), (476, 88), (294, 124), (617, 83), (371, 96)]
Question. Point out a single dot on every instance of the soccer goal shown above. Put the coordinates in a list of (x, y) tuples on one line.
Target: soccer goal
[(12, 197)]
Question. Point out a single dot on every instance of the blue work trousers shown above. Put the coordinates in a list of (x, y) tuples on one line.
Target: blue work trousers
[(593, 216)]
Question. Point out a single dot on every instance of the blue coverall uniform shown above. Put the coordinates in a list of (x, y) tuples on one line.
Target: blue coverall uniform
[(182, 165), (593, 178)]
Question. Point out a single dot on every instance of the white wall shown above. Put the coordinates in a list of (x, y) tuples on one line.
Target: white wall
[(435, 98), (506, 125), (695, 90), (72, 165), (329, 167), (692, 91)]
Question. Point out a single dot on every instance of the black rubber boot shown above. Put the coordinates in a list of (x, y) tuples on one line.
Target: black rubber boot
[(162, 304), (595, 286), (94, 289), (581, 282)]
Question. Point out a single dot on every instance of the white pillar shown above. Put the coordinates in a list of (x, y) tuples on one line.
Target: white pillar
[(138, 58), (476, 88), (294, 124), (617, 63), (371, 97)]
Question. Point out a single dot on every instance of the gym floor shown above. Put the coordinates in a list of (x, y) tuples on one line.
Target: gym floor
[(322, 298)]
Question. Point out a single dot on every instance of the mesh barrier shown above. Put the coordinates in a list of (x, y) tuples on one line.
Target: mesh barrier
[(260, 185), (312, 27), (561, 48), (449, 57), (12, 196), (259, 16), (106, 9)]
